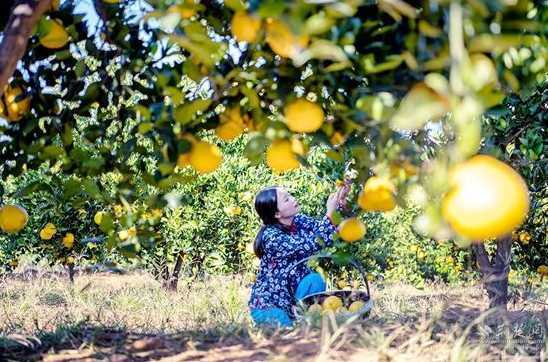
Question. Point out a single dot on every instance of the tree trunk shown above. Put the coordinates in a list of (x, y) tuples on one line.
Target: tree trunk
[(174, 280), (71, 272), (24, 17), (495, 272)]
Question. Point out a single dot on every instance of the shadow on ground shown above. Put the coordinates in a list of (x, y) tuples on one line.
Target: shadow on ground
[(90, 343)]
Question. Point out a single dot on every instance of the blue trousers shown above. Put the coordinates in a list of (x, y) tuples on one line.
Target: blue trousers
[(310, 284)]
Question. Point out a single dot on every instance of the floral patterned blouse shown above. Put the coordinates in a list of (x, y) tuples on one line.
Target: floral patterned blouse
[(276, 281)]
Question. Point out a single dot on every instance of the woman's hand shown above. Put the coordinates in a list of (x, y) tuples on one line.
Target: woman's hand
[(337, 199), (331, 204), (344, 190)]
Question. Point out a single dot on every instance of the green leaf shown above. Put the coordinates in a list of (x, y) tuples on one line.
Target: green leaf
[(318, 23), (66, 136), (53, 151), (145, 127), (271, 8), (420, 105), (251, 95), (323, 50), (107, 223), (235, 5), (92, 189), (342, 258), (370, 67), (255, 148), (34, 187), (185, 113), (71, 188)]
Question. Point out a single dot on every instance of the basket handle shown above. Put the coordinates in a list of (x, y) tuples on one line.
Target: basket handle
[(356, 264)]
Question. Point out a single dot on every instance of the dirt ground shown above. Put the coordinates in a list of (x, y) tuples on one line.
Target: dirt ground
[(407, 324)]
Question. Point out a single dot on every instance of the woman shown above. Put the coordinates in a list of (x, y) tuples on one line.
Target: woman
[(286, 238)]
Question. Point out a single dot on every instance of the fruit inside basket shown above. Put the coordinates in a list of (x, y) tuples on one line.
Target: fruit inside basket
[(340, 302), (352, 299)]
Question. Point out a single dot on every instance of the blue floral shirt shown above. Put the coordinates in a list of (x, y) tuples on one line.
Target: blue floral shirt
[(276, 281)]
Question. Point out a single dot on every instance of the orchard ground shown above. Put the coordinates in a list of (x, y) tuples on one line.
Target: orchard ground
[(129, 317)]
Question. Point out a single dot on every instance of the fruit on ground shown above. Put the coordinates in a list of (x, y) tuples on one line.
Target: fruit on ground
[(487, 199)]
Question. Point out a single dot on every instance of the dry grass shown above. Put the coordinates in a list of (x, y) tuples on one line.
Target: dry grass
[(129, 317)]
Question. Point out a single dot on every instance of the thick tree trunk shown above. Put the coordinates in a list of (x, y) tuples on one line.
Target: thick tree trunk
[(495, 272), (24, 16)]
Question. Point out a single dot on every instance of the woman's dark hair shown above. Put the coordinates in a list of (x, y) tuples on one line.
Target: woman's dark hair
[(266, 205)]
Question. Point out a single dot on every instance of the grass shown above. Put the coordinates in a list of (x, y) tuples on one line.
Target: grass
[(131, 318)]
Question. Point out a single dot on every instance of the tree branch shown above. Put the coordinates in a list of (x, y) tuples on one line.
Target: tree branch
[(24, 16)]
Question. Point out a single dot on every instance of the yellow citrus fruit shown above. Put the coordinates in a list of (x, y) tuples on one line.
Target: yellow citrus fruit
[(356, 306), (118, 210), (183, 160), (524, 237), (352, 229), (205, 157), (232, 210), (56, 37), (15, 108), (231, 126), (487, 199), (245, 27), (132, 231), (13, 218), (315, 308), (302, 115), (405, 167), (185, 12), (332, 303), (282, 41), (377, 195), (543, 270), (337, 139), (98, 217), (48, 231), (280, 156), (123, 234), (68, 240), (342, 310), (70, 260)]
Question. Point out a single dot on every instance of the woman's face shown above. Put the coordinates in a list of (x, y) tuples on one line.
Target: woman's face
[(287, 205)]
